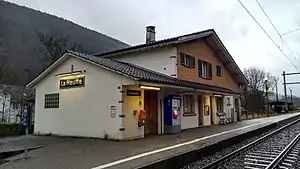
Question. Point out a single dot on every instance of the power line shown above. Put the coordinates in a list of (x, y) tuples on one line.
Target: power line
[(282, 40), (267, 34), (268, 18), (290, 31)]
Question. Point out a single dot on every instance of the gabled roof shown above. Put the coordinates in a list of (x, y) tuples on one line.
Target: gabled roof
[(160, 43), (132, 71), (210, 36)]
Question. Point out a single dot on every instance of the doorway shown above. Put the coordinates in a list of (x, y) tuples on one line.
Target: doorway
[(211, 112), (151, 107), (200, 110), (237, 109)]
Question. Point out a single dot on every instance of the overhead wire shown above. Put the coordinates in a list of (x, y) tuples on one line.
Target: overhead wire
[(280, 35), (267, 34)]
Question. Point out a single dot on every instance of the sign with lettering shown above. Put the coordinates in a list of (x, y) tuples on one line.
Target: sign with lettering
[(72, 82), (134, 93)]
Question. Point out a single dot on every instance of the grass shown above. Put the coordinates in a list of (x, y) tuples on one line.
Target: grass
[(254, 115)]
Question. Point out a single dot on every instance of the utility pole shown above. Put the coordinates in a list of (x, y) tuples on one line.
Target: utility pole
[(267, 99), (284, 85), (291, 91), (276, 93)]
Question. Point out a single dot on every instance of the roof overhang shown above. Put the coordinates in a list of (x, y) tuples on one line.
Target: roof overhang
[(216, 44), (210, 36), (47, 70)]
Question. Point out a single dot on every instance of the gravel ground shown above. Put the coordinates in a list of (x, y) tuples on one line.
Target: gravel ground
[(208, 159)]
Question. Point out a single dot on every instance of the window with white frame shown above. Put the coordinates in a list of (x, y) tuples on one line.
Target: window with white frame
[(15, 106), (187, 60), (228, 101), (188, 104), (205, 69), (219, 102)]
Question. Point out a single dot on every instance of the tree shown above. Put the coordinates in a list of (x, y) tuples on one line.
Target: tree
[(4, 94), (53, 47), (253, 94)]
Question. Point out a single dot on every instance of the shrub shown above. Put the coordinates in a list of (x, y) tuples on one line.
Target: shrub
[(7, 129)]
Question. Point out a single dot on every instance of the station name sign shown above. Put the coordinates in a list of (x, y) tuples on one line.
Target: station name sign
[(134, 93), (71, 82)]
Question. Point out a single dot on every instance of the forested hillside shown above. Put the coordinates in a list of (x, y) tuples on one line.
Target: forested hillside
[(20, 44)]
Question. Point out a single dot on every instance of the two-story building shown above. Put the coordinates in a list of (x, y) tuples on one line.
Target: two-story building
[(158, 87)]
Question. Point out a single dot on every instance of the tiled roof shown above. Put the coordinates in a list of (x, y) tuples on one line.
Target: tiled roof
[(160, 43), (209, 34), (142, 74)]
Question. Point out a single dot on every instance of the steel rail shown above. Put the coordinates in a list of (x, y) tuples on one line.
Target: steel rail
[(215, 164), (284, 152)]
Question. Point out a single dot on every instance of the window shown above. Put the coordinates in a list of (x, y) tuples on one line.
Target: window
[(187, 60), (228, 101), (219, 102), (188, 105), (15, 106), (51, 100), (219, 70), (205, 69)]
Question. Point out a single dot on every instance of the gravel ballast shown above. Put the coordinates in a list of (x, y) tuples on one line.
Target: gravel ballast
[(202, 161)]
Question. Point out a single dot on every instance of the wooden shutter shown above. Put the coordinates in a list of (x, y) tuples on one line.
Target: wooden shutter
[(209, 70), (182, 58), (200, 67)]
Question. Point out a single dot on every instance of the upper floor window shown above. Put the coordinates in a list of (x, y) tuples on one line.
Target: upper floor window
[(205, 69), (187, 60), (219, 70)]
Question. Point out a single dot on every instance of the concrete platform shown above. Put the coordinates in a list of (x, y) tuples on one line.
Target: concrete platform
[(63, 152)]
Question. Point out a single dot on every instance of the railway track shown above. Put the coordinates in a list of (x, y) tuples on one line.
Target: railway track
[(278, 149)]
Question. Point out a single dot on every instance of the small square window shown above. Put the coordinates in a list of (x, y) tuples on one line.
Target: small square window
[(219, 70), (51, 101)]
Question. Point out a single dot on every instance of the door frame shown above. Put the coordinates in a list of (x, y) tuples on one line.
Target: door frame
[(200, 110), (154, 118)]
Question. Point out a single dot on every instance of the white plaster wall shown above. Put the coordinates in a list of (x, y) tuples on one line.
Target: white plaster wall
[(190, 121), (83, 111), (130, 121), (159, 59)]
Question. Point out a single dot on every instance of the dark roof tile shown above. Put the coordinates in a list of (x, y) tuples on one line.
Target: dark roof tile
[(142, 74)]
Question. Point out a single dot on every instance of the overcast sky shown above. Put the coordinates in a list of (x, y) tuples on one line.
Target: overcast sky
[(249, 46)]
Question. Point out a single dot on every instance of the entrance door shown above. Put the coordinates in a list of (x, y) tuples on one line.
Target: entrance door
[(237, 109), (211, 112), (200, 110), (151, 107)]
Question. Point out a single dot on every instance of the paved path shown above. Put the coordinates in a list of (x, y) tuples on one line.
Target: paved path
[(75, 153)]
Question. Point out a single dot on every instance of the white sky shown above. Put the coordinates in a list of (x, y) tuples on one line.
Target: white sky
[(249, 46)]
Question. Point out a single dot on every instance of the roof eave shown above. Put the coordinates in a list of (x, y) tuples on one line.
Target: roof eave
[(47, 70), (231, 60)]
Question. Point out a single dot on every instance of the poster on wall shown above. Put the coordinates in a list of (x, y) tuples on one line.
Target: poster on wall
[(206, 110), (72, 82)]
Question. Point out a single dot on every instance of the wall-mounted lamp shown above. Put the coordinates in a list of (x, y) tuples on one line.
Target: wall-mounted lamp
[(69, 74), (218, 95), (149, 87)]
